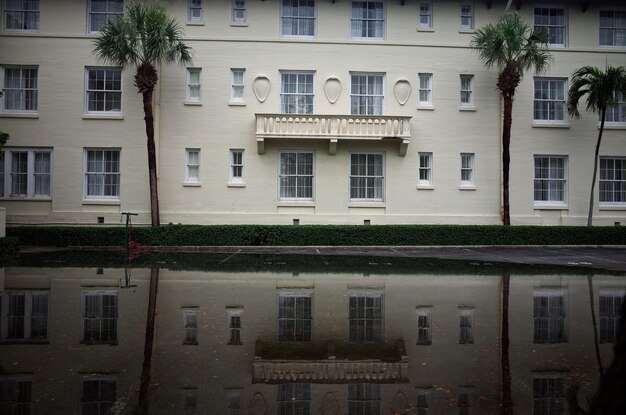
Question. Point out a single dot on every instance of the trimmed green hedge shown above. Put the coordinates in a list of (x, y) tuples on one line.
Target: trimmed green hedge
[(323, 235)]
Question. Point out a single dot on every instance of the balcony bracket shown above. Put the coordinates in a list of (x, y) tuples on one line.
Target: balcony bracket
[(404, 144), (332, 148), (260, 145)]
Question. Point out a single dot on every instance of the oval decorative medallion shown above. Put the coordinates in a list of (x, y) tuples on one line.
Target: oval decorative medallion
[(402, 90), (329, 405), (257, 406), (261, 87), (332, 89)]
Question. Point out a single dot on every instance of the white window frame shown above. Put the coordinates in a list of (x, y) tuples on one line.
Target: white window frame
[(23, 19), (467, 167), (83, 318), (555, 105), (360, 335), (237, 6), (424, 326), (234, 330), (299, 322), (373, 97), (6, 173), (368, 175), (195, 7), (553, 321), (422, 401), (616, 111), (551, 181), (555, 403), (297, 176), (427, 169), (551, 25), (189, 178), (90, 30), (284, 96), (467, 12), (190, 98), (365, 20), (293, 398), (234, 163), (235, 84), (613, 29), (190, 327), (27, 323), (466, 90), (366, 395), (86, 194), (610, 303), (113, 112), (428, 90), (22, 90), (425, 10), (297, 17), (99, 379), (613, 184), (466, 325)]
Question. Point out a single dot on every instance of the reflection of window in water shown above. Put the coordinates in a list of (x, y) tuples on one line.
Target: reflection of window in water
[(190, 318), (364, 398), (190, 401), (548, 394), (466, 326), (15, 396), (424, 334), (610, 314), (366, 317), (464, 403), (100, 317), (24, 316), (423, 402), (233, 401), (97, 396), (294, 318), (294, 398), (549, 316), (234, 326)]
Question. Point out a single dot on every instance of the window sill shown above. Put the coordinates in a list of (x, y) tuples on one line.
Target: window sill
[(101, 202), (366, 204), (25, 199), (425, 29), (24, 341), (367, 39), (103, 117), (193, 103), (470, 31), (425, 108), (192, 184), (467, 108), (550, 207), (236, 184), (19, 115), (613, 126), (467, 187), (238, 24), (237, 103), (425, 187), (613, 207), (304, 203), (540, 124), (195, 23)]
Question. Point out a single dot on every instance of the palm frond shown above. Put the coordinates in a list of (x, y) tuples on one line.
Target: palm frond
[(599, 86)]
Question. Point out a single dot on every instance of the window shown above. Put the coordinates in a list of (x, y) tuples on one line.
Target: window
[(364, 398), (611, 303), (239, 11), (294, 398), (15, 396), (616, 113), (20, 89), (548, 394), (234, 327), (97, 396), (467, 17), (367, 177), (424, 326), (237, 85), (297, 17), (190, 321), (104, 90), (467, 86), (192, 171), (366, 317), (194, 83), (549, 317), (21, 15), (423, 402), (466, 326), (99, 317), (612, 180), (425, 98), (366, 94), (294, 317), (467, 169), (24, 316), (295, 176), (102, 174), (233, 401), (236, 166), (296, 93), (464, 403), (367, 19), (549, 102), (26, 172), (195, 11), (613, 28), (101, 11), (425, 169), (550, 180), (425, 15), (190, 401), (552, 20)]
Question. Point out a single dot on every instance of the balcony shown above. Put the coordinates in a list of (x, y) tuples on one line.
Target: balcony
[(333, 128)]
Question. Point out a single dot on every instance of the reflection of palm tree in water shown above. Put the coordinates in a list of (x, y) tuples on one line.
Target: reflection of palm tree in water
[(506, 405)]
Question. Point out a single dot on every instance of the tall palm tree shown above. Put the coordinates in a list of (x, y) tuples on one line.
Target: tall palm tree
[(145, 37), (601, 89), (513, 46)]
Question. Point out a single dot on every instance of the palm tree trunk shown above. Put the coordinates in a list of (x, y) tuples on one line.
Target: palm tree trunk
[(152, 167), (595, 167), (506, 155)]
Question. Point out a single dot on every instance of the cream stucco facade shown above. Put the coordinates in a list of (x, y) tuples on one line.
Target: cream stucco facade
[(228, 153)]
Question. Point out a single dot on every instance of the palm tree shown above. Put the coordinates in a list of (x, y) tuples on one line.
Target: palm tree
[(145, 37), (513, 47), (601, 89)]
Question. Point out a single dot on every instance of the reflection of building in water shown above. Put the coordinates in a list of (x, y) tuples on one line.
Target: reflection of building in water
[(282, 343)]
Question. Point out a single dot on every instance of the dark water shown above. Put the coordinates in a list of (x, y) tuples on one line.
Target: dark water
[(265, 334)]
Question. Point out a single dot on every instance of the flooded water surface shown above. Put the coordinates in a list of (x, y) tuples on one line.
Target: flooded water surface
[(259, 334)]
